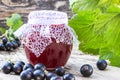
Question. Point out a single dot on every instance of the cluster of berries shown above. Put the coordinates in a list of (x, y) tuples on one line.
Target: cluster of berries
[(37, 72), (7, 45)]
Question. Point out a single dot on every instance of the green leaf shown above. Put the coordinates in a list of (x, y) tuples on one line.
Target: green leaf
[(78, 5), (14, 22), (88, 34), (84, 5), (114, 8), (114, 61), (2, 30), (97, 24), (9, 34), (105, 53)]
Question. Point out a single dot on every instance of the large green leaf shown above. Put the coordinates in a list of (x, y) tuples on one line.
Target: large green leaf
[(77, 5), (90, 28), (114, 60), (105, 53), (84, 5), (97, 24), (114, 8)]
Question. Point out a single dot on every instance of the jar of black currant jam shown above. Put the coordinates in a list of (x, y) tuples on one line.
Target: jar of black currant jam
[(47, 38)]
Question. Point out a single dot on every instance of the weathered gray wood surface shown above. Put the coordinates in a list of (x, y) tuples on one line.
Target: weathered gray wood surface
[(75, 62), (23, 7)]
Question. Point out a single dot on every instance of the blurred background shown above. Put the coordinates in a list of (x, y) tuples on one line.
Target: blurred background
[(23, 7)]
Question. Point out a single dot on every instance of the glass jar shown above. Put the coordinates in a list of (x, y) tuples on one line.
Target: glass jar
[(47, 39)]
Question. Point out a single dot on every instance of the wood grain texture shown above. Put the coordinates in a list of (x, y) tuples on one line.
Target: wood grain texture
[(23, 7), (73, 65)]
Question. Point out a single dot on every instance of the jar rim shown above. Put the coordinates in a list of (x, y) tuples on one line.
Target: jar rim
[(48, 16), (46, 13)]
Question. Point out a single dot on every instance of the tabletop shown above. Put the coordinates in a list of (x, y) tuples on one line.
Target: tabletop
[(76, 60)]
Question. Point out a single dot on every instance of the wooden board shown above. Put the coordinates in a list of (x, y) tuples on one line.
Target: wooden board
[(23, 7), (75, 61)]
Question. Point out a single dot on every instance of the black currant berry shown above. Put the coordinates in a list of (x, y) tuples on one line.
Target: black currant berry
[(86, 70), (68, 76), (55, 78), (15, 44), (26, 75), (20, 63), (17, 41), (2, 47), (7, 67), (31, 70), (8, 46), (27, 66), (17, 68), (40, 66), (101, 64), (39, 74), (4, 40), (60, 71), (49, 75)]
